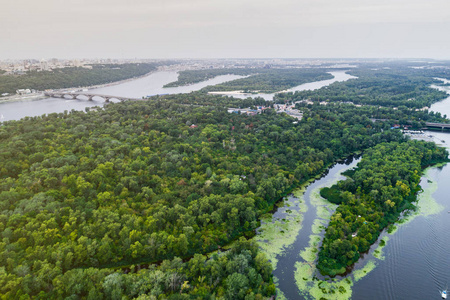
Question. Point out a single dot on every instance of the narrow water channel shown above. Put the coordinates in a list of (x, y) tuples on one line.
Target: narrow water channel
[(286, 268), (294, 231)]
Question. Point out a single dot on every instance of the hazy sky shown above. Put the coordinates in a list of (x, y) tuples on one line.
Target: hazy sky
[(224, 28)]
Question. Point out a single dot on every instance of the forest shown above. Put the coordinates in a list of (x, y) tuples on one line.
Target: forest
[(187, 77), (385, 86), (71, 77), (383, 185), (135, 183), (155, 199), (259, 79)]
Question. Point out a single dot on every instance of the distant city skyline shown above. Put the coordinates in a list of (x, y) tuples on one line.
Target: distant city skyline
[(224, 29)]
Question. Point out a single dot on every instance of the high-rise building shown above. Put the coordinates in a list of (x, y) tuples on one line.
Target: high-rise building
[(44, 65)]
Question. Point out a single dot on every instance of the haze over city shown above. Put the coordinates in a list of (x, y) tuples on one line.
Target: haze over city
[(210, 29)]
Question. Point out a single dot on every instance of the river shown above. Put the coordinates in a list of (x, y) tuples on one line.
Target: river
[(145, 86), (290, 236), (442, 106), (338, 76)]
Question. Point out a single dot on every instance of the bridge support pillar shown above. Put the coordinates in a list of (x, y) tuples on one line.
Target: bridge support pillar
[(90, 98), (107, 99), (74, 96)]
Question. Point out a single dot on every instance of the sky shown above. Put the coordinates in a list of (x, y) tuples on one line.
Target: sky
[(224, 29)]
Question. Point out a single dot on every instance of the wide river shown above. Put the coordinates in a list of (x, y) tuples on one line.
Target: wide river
[(414, 264), (338, 76), (145, 86)]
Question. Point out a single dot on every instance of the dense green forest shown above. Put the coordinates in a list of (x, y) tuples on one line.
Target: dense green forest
[(187, 77), (402, 115), (383, 185), (73, 77), (133, 200), (134, 183), (262, 80), (384, 86)]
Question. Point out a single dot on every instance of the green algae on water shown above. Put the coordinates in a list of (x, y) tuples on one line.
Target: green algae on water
[(318, 226), (280, 295), (303, 275), (335, 288), (310, 286), (275, 237), (310, 253), (320, 289), (325, 212), (378, 252), (427, 204), (339, 290), (369, 266)]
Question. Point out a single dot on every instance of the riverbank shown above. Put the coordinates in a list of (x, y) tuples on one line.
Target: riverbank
[(234, 93), (299, 254), (98, 86), (40, 95), (290, 237), (17, 98)]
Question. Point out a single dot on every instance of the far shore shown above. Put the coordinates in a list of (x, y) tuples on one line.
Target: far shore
[(229, 93), (40, 95), (246, 93), (237, 93), (17, 98)]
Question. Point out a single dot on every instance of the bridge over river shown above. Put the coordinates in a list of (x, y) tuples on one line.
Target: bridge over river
[(428, 125), (441, 126), (89, 96)]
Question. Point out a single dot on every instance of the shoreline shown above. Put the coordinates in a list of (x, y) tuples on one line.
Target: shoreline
[(98, 86), (240, 93), (41, 96), (18, 98)]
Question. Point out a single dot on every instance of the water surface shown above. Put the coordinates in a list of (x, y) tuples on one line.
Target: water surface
[(145, 86), (338, 76)]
